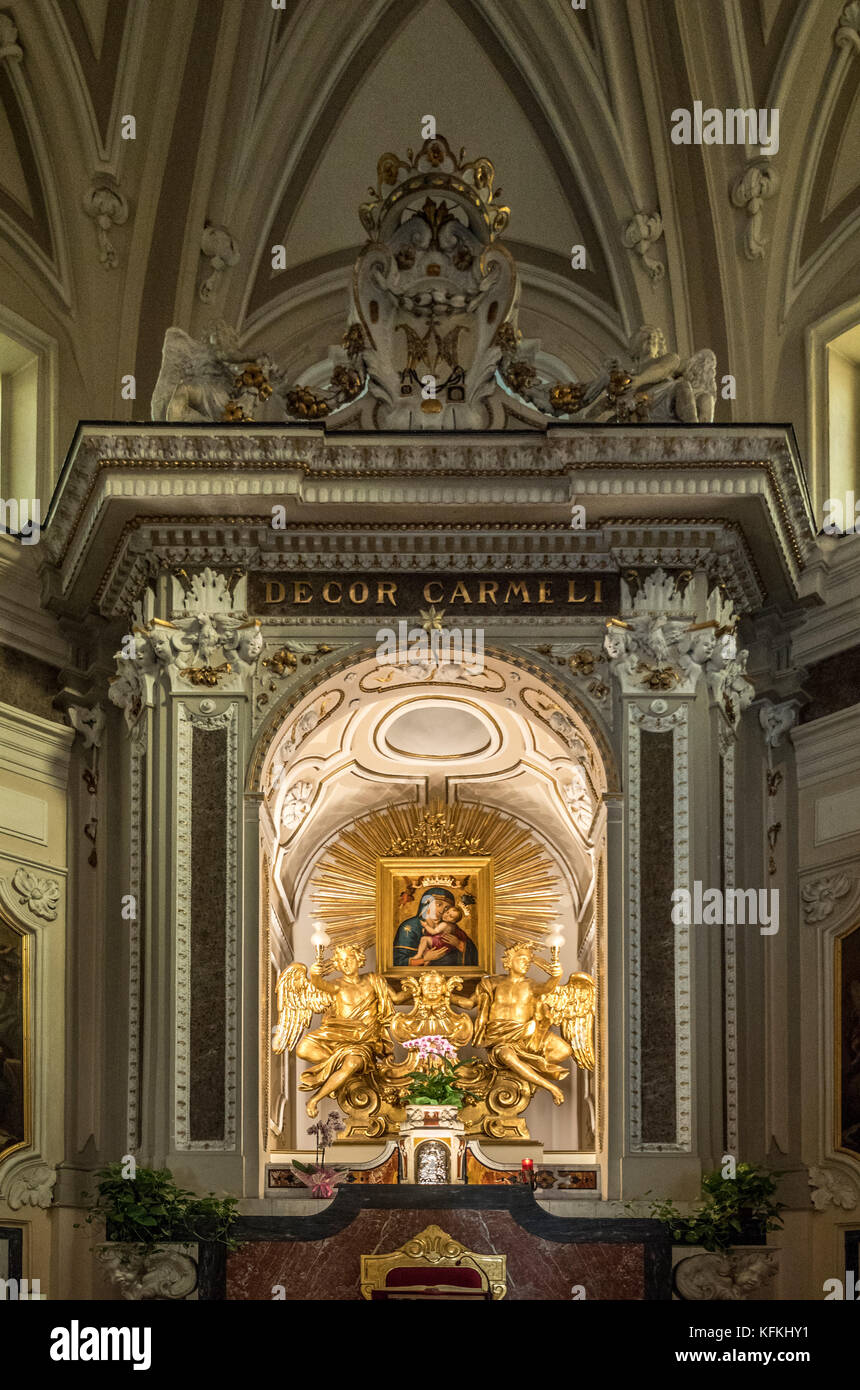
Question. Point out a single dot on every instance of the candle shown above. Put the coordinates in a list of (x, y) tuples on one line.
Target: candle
[(320, 939)]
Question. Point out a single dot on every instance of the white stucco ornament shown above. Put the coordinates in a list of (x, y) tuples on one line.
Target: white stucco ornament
[(830, 1186), (432, 341), (40, 895), (31, 1186)]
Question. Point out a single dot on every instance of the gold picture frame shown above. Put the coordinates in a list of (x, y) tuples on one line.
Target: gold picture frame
[(16, 1129), (416, 895), (846, 1019)]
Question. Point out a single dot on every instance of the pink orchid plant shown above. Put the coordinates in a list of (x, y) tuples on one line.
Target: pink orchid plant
[(320, 1177), (434, 1080), (432, 1049), (322, 1181)]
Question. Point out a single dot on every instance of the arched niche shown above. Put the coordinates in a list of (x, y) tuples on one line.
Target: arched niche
[(362, 738)]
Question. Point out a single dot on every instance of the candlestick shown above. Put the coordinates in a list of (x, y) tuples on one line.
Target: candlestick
[(320, 939)]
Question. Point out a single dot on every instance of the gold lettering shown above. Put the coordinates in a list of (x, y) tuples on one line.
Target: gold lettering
[(299, 595), (598, 591), (519, 587), (353, 594), (544, 594), (386, 588), (432, 598), (464, 595), (332, 584), (485, 586), (571, 592), (271, 596)]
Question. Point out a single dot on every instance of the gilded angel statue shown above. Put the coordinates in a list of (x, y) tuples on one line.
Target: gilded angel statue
[(571, 1008), (516, 1017), (358, 1010)]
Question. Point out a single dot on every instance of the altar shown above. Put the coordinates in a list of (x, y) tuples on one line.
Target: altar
[(325, 1256)]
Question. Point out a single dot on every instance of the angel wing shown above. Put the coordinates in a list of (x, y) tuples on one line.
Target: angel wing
[(298, 1001), (571, 1008)]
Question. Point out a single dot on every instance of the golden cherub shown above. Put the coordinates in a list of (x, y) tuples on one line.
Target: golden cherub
[(516, 1014), (353, 1037)]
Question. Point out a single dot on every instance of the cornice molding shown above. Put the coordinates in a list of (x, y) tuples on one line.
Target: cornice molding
[(754, 474)]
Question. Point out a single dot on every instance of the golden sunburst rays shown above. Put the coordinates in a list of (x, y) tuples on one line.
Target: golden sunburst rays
[(344, 882)]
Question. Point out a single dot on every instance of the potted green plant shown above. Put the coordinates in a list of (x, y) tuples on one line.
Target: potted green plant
[(734, 1211), (153, 1229), (725, 1253)]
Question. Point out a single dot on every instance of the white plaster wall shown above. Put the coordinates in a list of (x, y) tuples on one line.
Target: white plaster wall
[(34, 759)]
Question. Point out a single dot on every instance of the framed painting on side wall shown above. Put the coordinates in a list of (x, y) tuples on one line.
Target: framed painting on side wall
[(847, 1058), (14, 1039)]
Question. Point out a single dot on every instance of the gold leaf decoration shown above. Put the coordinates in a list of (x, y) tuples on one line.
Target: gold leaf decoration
[(344, 883)]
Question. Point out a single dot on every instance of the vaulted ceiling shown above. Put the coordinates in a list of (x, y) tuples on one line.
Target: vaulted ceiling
[(269, 122)]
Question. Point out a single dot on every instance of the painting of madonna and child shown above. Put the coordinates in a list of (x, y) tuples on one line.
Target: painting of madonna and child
[(434, 913)]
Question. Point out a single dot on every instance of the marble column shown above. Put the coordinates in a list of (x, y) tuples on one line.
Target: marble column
[(183, 683), (674, 655)]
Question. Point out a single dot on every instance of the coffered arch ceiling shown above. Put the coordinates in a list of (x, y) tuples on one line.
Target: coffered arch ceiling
[(270, 122)]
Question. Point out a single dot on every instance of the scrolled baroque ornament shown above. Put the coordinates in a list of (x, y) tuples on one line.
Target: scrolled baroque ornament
[(777, 721), (108, 207), (730, 1277), (820, 895), (31, 1186), (221, 250), (296, 805), (758, 182), (432, 341), (848, 30), (831, 1187), (639, 235), (206, 643), (660, 643), (10, 49), (351, 1055)]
